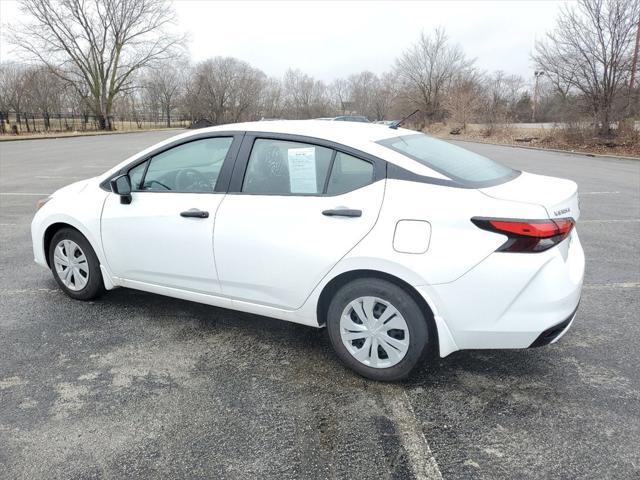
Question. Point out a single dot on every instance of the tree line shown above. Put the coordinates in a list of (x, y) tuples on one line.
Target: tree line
[(115, 58)]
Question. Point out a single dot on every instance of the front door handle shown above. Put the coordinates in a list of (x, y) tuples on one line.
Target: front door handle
[(195, 213), (342, 212)]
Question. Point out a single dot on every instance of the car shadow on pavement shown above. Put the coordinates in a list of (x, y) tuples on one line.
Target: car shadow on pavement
[(195, 319), (198, 319)]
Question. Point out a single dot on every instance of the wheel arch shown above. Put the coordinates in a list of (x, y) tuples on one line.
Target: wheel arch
[(55, 227), (49, 233), (343, 278)]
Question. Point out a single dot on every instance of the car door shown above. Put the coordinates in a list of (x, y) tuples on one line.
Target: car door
[(293, 210), (165, 235)]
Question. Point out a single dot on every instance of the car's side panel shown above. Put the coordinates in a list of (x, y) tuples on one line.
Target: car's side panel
[(149, 241), (275, 249), (456, 245)]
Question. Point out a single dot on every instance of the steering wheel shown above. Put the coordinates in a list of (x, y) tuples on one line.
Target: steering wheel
[(191, 180)]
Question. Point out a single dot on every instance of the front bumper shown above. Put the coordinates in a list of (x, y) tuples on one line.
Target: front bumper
[(510, 300)]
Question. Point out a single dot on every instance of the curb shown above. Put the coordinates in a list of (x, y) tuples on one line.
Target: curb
[(584, 154), (85, 134)]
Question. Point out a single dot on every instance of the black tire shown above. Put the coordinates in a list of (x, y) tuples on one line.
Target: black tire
[(414, 317), (95, 286)]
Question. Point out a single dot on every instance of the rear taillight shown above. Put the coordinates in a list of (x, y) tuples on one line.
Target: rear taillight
[(527, 236)]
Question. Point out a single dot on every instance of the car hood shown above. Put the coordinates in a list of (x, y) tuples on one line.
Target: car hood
[(558, 196), (73, 188)]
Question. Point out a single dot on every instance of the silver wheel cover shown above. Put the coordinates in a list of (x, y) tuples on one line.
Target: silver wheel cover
[(71, 265), (374, 332)]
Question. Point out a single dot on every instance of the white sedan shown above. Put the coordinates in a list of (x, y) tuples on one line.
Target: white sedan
[(401, 245)]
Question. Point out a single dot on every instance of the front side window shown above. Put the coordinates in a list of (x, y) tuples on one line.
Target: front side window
[(188, 168), (280, 167), (136, 174), (462, 166)]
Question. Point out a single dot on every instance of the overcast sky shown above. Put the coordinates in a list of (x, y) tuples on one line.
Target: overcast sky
[(334, 39)]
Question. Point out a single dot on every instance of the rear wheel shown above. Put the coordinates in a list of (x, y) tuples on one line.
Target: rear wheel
[(75, 265), (377, 329)]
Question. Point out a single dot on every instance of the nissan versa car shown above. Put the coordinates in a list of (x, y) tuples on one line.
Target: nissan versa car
[(400, 244)]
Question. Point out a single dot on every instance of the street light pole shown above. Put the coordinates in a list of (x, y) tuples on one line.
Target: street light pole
[(634, 62), (537, 74), (634, 67)]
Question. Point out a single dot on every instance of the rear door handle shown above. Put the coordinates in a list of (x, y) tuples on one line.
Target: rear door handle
[(342, 212), (195, 213)]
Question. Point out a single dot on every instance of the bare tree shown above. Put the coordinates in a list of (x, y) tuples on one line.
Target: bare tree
[(13, 89), (385, 93), (224, 89), (304, 96), (339, 93), (164, 85), (45, 91), (591, 50), (502, 93), (362, 90), (96, 46), (464, 98), (427, 68), (271, 102)]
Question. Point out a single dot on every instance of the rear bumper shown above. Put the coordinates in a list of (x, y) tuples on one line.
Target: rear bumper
[(510, 300), (553, 334)]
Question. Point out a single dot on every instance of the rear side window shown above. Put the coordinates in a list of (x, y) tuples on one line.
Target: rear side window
[(349, 173), (463, 166), (282, 167)]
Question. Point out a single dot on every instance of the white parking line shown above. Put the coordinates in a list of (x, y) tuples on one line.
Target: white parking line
[(58, 177), (623, 220), (601, 286), (23, 194), (20, 291), (597, 193), (410, 433)]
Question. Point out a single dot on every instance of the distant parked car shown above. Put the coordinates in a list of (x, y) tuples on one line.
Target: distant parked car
[(398, 243), (386, 122), (347, 118)]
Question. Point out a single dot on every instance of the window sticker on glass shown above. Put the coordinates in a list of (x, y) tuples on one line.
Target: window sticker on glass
[(302, 170)]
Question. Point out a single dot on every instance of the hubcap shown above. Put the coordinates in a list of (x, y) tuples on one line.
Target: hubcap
[(374, 332), (71, 265)]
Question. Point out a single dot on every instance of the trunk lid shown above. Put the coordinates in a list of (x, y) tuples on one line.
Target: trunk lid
[(558, 196)]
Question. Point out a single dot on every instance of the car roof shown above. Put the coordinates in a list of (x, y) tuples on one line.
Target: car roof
[(348, 133)]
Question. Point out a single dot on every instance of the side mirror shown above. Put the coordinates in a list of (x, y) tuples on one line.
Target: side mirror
[(122, 186)]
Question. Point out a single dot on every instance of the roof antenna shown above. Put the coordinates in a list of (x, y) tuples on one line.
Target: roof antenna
[(400, 122)]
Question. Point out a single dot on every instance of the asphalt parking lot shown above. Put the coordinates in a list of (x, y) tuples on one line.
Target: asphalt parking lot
[(135, 385)]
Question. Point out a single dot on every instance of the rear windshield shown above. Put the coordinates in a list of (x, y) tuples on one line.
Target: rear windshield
[(460, 165)]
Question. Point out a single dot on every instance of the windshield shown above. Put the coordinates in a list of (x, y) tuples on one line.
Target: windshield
[(462, 166)]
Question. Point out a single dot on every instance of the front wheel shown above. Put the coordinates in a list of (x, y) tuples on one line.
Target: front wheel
[(75, 265), (377, 329)]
